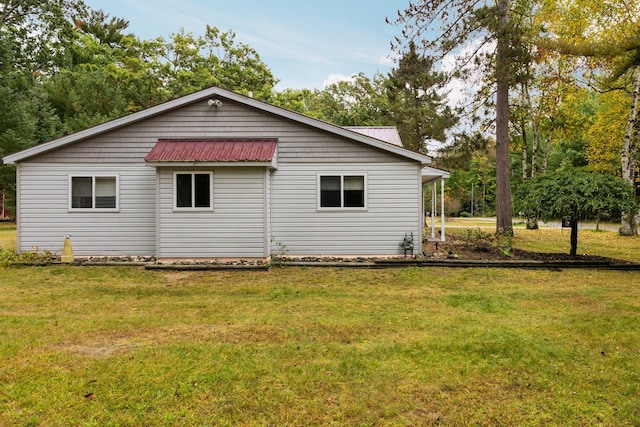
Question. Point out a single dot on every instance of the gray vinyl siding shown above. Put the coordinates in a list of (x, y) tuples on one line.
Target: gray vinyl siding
[(234, 229), (394, 207), (296, 142), (45, 218), (254, 209)]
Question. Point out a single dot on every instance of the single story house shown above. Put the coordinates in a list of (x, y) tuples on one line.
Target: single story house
[(216, 174)]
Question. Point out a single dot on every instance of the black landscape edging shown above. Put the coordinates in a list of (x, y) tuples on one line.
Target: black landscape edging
[(525, 264), (204, 267), (370, 263), (458, 263)]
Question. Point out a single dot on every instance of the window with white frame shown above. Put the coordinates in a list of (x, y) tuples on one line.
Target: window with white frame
[(342, 191), (93, 192), (193, 190)]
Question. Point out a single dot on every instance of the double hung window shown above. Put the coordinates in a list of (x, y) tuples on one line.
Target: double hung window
[(193, 190), (93, 192), (342, 191)]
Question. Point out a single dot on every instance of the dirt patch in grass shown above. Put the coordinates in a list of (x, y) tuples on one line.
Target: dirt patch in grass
[(113, 343)]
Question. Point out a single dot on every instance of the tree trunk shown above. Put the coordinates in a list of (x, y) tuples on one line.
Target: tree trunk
[(531, 221), (547, 148), (534, 133), (525, 175), (628, 226), (574, 236), (504, 224)]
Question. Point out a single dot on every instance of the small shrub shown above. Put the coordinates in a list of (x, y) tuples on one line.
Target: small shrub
[(278, 259), (8, 257), (504, 244), (478, 240), (11, 258)]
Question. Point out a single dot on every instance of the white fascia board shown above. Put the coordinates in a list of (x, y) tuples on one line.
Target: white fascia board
[(430, 174)]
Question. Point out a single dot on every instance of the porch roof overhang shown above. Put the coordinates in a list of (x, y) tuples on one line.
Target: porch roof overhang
[(430, 174), (214, 152)]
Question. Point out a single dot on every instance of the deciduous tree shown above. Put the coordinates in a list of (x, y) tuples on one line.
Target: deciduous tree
[(607, 34), (357, 101), (577, 194)]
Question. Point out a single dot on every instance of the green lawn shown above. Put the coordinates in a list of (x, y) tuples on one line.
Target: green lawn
[(293, 346), (7, 235)]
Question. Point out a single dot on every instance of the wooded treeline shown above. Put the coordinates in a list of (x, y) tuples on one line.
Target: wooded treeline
[(559, 86), (570, 74)]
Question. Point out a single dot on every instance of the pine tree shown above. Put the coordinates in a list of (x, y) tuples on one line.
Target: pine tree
[(415, 104), (445, 27)]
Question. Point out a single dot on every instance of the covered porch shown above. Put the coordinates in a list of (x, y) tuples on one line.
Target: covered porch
[(431, 177)]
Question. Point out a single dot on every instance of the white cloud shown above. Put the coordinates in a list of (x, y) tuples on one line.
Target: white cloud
[(386, 60), (335, 78)]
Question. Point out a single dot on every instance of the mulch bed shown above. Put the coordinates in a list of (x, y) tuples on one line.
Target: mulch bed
[(457, 248)]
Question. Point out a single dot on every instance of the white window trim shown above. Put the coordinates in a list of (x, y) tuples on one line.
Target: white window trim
[(93, 192), (193, 189), (342, 208)]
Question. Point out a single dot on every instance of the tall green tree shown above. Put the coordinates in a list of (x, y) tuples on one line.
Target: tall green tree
[(416, 103), (31, 37), (88, 90), (444, 27), (358, 101), (187, 63), (108, 73)]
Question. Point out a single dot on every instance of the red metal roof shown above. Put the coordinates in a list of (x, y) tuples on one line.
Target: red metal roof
[(216, 150)]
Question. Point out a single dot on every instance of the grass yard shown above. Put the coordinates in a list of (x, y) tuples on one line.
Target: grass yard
[(603, 243), (95, 346), (7, 235)]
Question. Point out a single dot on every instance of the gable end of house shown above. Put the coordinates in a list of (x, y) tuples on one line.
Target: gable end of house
[(216, 98)]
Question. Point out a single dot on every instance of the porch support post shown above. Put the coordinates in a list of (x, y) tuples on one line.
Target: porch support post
[(433, 209), (442, 209)]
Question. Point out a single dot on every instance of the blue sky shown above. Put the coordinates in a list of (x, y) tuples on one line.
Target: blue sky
[(305, 43)]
